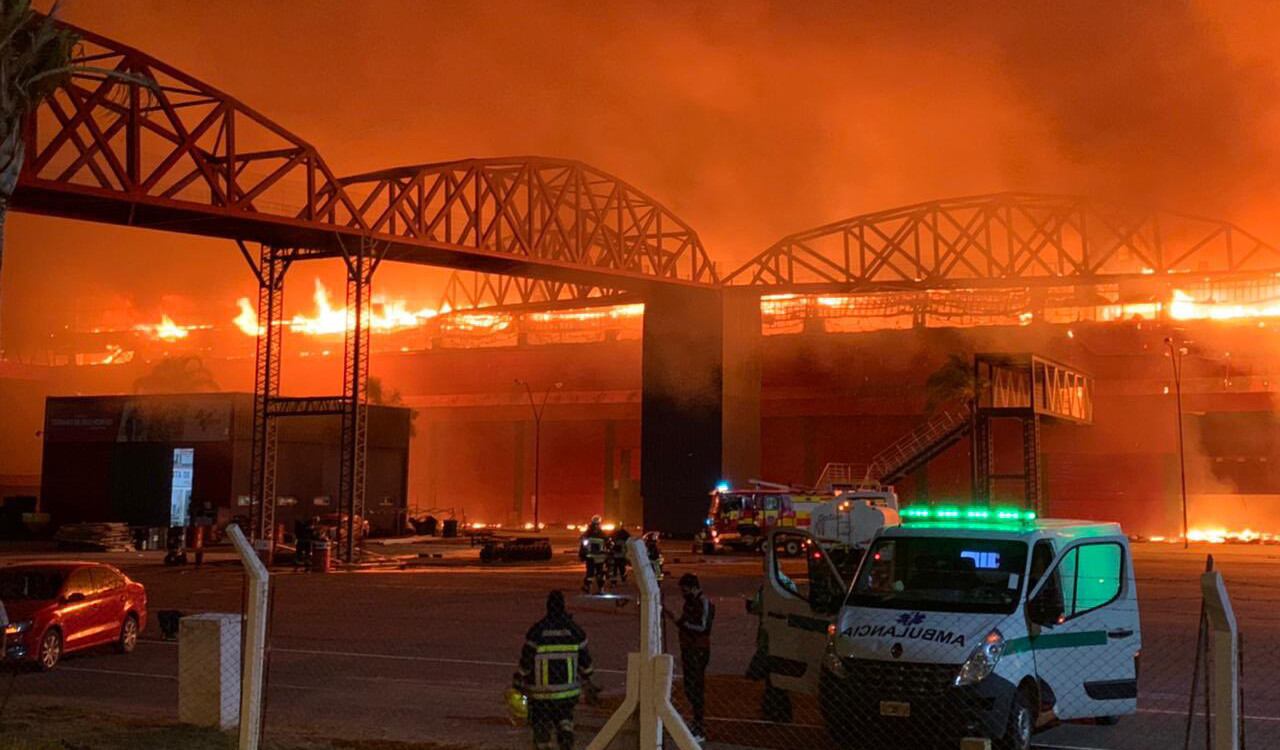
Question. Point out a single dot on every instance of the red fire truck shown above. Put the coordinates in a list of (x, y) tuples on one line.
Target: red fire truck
[(741, 518)]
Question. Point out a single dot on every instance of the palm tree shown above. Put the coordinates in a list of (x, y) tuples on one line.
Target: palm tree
[(379, 396), (37, 54), (953, 383), (177, 375)]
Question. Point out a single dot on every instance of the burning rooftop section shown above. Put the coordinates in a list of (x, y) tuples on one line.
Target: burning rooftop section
[(397, 325), (402, 325), (1248, 302)]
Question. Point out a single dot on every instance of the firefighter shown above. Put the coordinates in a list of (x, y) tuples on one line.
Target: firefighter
[(655, 553), (694, 625), (555, 671), (618, 555), (594, 553)]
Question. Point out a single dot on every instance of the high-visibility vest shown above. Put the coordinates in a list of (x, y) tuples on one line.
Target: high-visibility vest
[(555, 672)]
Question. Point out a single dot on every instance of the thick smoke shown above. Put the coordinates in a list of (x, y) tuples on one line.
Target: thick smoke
[(750, 120)]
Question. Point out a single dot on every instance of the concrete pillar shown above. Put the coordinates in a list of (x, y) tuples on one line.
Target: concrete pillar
[(520, 468), (740, 420), (612, 511), (209, 670), (680, 411)]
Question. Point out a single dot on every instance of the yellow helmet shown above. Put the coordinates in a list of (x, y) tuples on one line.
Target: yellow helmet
[(517, 706)]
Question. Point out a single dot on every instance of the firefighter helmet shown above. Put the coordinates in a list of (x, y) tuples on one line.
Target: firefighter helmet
[(517, 706)]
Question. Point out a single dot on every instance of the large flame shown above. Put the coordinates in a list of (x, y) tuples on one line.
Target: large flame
[(166, 329), (328, 319)]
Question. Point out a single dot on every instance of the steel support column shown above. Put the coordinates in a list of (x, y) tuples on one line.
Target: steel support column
[(355, 382), (266, 387), (982, 459), (1031, 462)]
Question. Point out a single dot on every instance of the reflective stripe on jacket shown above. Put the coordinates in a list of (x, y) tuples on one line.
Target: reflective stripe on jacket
[(555, 659), (695, 622)]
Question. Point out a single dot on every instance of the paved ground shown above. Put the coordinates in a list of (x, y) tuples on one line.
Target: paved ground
[(426, 653)]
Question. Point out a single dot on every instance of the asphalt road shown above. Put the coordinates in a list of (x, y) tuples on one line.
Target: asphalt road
[(426, 654)]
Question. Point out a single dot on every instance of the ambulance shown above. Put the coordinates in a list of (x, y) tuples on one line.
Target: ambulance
[(959, 622)]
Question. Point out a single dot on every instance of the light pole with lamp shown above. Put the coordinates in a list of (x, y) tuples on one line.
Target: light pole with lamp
[(538, 409), (1175, 358)]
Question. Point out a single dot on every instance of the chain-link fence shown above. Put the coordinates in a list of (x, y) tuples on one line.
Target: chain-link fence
[(422, 649), (1112, 664)]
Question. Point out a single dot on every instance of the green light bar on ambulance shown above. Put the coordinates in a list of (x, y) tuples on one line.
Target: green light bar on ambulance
[(955, 514)]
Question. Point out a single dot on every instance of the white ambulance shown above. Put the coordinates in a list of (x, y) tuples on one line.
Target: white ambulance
[(961, 622)]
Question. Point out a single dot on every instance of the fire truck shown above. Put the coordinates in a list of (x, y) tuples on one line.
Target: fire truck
[(741, 519)]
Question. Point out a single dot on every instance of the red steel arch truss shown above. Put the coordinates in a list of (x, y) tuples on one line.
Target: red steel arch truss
[(183, 156), (1004, 240), (161, 149)]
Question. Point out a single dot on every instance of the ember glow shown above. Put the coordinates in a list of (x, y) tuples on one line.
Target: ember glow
[(1216, 535)]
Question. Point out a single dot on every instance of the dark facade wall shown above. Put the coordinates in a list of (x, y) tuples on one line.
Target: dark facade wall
[(110, 459)]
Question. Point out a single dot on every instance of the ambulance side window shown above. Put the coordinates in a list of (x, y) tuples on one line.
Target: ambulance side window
[(796, 580), (772, 502), (1091, 577), (826, 588)]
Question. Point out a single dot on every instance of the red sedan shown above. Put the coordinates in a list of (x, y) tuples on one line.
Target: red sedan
[(56, 608)]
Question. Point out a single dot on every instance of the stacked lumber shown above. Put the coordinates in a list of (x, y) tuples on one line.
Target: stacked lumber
[(100, 537)]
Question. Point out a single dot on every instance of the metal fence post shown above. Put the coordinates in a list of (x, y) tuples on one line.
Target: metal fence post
[(1226, 662), (649, 672), (256, 614)]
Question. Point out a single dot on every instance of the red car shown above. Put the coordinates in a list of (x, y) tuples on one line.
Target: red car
[(55, 608)]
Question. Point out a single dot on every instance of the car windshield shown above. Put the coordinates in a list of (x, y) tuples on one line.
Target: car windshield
[(942, 574), (730, 503), (35, 584)]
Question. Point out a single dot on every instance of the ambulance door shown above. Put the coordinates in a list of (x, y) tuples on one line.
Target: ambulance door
[(1083, 620), (801, 599)]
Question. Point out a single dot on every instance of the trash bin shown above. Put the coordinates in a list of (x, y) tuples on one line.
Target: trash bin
[(450, 528), (320, 556)]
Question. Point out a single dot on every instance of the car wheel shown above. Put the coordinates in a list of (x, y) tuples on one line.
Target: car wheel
[(1022, 719), (792, 548), (128, 635), (50, 650)]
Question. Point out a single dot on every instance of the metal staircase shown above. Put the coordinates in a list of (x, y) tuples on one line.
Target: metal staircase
[(916, 448), (835, 475)]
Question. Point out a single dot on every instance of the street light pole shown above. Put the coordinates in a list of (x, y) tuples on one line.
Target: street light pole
[(537, 410), (1175, 359)]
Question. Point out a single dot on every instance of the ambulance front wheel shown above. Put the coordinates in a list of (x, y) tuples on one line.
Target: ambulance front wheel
[(1022, 720)]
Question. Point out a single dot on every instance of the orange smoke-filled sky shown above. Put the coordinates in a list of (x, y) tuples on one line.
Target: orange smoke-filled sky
[(748, 119)]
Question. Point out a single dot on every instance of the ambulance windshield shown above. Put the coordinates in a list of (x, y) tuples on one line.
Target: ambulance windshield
[(942, 575)]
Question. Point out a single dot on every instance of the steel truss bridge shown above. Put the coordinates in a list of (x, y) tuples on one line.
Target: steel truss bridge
[(163, 150)]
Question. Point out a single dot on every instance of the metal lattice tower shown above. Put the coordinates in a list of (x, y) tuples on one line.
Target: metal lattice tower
[(270, 271), (355, 389)]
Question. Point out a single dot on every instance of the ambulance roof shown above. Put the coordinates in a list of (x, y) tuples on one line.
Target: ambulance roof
[(1065, 529)]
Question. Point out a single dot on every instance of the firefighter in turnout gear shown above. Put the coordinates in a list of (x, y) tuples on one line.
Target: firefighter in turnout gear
[(555, 671), (593, 551)]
